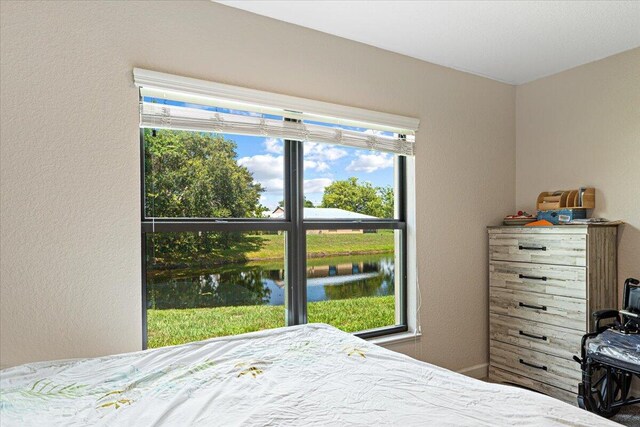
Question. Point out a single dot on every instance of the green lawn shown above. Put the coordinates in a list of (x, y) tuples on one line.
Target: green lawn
[(319, 245), (269, 250), (177, 326)]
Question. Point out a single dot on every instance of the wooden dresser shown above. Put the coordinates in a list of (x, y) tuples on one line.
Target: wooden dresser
[(544, 283)]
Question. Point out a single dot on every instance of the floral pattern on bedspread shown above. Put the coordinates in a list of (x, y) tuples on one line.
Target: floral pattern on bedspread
[(303, 375)]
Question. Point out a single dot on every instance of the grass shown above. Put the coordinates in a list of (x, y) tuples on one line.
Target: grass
[(178, 326), (328, 244), (268, 250)]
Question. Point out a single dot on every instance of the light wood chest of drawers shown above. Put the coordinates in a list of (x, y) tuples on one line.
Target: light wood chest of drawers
[(544, 283)]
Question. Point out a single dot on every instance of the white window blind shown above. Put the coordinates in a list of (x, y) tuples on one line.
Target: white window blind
[(174, 102)]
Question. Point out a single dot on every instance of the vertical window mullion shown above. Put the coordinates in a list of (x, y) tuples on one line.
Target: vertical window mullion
[(402, 176), (144, 290), (301, 261), (296, 242), (143, 207), (290, 249), (402, 188)]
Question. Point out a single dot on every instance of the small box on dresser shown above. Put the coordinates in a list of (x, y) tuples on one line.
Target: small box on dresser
[(544, 283)]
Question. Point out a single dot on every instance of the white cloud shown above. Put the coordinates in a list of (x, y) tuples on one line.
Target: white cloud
[(275, 185), (319, 166), (274, 145), (375, 132), (322, 166), (323, 152), (266, 169), (316, 185), (370, 162)]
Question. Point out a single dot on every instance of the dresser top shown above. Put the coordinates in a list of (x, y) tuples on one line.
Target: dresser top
[(560, 229)]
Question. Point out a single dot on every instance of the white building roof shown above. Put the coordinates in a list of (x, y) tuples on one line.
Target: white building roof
[(324, 213)]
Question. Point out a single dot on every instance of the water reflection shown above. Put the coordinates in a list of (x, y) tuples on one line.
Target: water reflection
[(328, 278)]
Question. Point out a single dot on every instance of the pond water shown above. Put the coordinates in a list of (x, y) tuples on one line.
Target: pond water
[(263, 283)]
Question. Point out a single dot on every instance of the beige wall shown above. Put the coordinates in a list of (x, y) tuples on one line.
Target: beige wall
[(70, 199), (581, 127)]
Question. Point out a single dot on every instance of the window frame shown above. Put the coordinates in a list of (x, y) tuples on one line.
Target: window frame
[(295, 227)]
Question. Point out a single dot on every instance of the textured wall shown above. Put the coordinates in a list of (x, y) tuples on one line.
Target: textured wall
[(579, 128), (70, 199)]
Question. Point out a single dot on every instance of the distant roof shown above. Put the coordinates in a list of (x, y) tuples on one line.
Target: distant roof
[(328, 213), (324, 213)]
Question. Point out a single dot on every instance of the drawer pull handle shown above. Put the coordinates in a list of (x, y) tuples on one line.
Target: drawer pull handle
[(531, 365), (535, 307), (532, 248), (543, 278), (538, 337)]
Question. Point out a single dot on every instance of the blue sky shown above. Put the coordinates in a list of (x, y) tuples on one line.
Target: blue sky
[(324, 163)]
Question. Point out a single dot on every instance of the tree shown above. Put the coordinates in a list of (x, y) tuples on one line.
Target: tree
[(354, 196), (307, 203), (193, 174), (388, 201), (196, 175)]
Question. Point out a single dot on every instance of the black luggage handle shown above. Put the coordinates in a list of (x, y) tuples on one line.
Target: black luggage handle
[(543, 278), (532, 248), (535, 307), (538, 337), (531, 365)]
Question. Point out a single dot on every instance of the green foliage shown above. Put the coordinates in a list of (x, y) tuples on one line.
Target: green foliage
[(388, 200), (307, 203), (181, 250), (193, 174), (196, 175), (361, 197), (170, 327)]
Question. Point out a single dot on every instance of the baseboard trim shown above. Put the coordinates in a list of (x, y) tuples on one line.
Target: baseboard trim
[(476, 371)]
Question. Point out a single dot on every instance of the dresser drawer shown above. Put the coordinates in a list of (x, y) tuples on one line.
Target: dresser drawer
[(556, 371), (559, 249), (548, 339), (541, 278), (501, 376), (551, 309)]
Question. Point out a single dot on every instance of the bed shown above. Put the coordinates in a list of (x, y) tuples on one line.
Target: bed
[(303, 375)]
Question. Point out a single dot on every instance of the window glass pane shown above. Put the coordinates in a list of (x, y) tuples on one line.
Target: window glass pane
[(352, 278), (212, 107), (207, 175), (348, 183), (204, 285), (347, 127)]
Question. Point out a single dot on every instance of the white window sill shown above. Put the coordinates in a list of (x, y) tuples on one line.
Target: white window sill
[(395, 338)]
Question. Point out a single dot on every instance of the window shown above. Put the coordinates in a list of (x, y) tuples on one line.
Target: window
[(208, 175), (200, 285), (357, 291), (357, 184), (256, 218)]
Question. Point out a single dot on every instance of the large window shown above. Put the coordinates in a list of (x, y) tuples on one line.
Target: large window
[(243, 231)]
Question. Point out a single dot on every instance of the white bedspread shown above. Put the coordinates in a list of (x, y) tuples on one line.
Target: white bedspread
[(303, 375)]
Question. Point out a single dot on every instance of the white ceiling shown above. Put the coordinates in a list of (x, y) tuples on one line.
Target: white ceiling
[(510, 41)]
